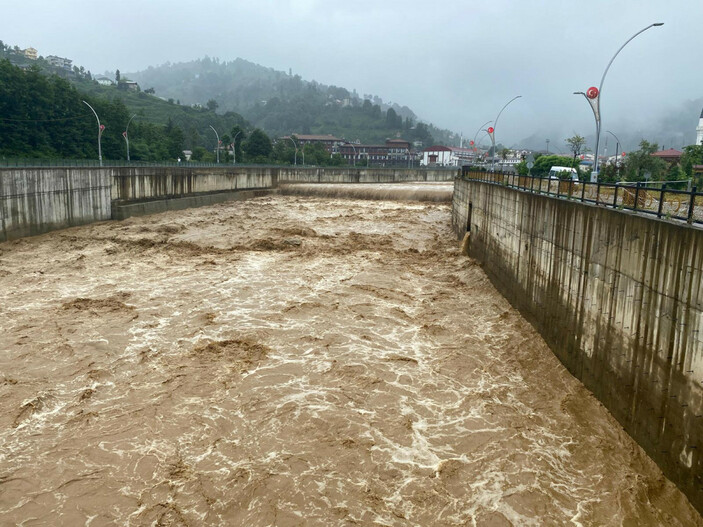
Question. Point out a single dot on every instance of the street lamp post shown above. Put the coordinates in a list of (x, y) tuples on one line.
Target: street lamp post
[(101, 127), (354, 148), (295, 158), (617, 147), (473, 142), (125, 134), (492, 131), (592, 95), (234, 148), (217, 146)]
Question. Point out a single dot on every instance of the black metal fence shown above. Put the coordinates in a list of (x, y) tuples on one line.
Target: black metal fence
[(662, 202), (32, 163)]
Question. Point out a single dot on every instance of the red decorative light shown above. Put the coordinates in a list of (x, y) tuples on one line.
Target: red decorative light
[(124, 134), (102, 127), (490, 130), (471, 143), (623, 154), (592, 92), (583, 157)]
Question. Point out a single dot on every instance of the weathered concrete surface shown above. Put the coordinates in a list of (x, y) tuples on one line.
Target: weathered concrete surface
[(38, 200), (418, 191), (121, 211), (617, 297), (34, 201), (363, 175), (157, 183)]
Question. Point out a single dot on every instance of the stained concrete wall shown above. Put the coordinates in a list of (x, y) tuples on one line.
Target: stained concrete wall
[(34, 201), (619, 299), (158, 183), (364, 175), (37, 200)]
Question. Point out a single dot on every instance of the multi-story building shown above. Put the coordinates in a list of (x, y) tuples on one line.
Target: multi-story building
[(448, 156), (328, 141), (396, 152), (30, 53), (59, 62)]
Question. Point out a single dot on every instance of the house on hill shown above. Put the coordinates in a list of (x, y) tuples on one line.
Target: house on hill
[(59, 62), (30, 53), (127, 85)]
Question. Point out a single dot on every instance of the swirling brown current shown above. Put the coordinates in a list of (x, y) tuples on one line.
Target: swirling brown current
[(293, 361)]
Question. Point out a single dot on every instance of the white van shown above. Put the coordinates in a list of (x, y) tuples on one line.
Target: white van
[(563, 173)]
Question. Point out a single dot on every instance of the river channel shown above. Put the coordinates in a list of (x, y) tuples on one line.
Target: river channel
[(293, 361)]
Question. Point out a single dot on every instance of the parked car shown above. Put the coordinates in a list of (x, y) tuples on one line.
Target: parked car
[(563, 173)]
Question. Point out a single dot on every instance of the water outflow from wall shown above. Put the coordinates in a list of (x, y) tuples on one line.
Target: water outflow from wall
[(440, 191), (287, 360)]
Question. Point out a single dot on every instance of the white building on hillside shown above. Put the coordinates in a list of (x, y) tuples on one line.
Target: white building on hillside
[(699, 130)]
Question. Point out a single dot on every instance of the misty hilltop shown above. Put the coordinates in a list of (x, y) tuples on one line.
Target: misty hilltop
[(282, 103)]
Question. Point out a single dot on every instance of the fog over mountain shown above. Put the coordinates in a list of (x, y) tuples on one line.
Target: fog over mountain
[(454, 64)]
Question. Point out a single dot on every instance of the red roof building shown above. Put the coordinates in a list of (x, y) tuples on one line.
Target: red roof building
[(670, 155)]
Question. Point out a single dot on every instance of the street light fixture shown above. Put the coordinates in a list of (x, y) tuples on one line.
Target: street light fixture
[(234, 148), (295, 158), (354, 160), (617, 146), (101, 127), (126, 135), (491, 131), (592, 95), (217, 147)]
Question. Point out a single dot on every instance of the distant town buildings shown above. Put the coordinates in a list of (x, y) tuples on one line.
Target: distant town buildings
[(328, 141), (395, 152), (448, 156), (699, 130)]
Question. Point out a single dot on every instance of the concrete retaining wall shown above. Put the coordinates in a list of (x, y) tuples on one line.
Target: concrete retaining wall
[(619, 299), (158, 183), (364, 175), (34, 201), (37, 200)]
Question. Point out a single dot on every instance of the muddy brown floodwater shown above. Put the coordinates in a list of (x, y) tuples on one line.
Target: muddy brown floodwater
[(293, 361)]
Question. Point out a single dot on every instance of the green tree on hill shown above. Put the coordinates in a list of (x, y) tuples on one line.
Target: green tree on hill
[(257, 148)]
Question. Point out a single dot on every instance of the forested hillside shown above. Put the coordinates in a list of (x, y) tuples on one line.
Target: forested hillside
[(43, 116), (282, 104)]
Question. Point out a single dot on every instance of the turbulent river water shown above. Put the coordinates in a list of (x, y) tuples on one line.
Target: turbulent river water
[(293, 361)]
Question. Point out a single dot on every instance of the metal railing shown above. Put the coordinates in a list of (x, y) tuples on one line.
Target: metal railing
[(662, 202), (59, 163)]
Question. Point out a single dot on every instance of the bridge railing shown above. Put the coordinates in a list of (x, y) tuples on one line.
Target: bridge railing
[(662, 201)]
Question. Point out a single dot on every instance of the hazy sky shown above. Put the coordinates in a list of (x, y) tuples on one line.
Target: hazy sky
[(454, 63)]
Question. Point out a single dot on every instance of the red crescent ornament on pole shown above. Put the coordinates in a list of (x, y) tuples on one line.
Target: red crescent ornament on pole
[(102, 127), (592, 92), (490, 130), (623, 154), (471, 143), (124, 134), (582, 156)]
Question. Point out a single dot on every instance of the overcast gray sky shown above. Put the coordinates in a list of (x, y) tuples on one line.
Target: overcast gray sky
[(454, 63)]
